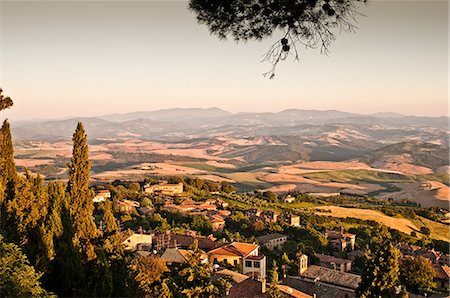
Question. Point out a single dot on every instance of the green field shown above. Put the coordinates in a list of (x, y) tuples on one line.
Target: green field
[(358, 176)]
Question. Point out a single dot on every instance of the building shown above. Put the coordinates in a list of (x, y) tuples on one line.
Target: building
[(127, 206), (145, 210), (217, 222), (235, 253), (269, 216), (178, 256), (171, 240), (272, 241), (255, 267), (442, 277), (102, 195), (134, 242), (164, 189), (291, 219), (323, 282), (288, 199), (341, 241), (334, 263)]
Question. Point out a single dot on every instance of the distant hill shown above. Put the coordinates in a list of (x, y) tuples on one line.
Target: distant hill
[(423, 154)]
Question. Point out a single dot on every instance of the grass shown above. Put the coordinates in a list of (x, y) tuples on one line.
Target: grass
[(354, 176), (401, 224), (443, 178), (438, 230), (208, 168)]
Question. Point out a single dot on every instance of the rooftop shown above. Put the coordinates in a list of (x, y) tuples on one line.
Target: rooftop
[(237, 277), (331, 276), (235, 249)]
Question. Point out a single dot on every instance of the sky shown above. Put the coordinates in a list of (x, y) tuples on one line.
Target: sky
[(84, 58)]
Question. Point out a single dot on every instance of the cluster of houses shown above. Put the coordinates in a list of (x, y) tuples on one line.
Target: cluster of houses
[(330, 278), (208, 209), (440, 261), (269, 216)]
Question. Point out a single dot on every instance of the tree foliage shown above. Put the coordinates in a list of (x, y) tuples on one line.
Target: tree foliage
[(309, 23), (380, 277), (417, 274), (5, 101), (81, 203), (17, 277)]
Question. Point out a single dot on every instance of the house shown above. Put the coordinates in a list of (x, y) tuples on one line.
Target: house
[(222, 204), (234, 253), (408, 249), (145, 210), (288, 199), (334, 263), (178, 256), (127, 206), (291, 219), (341, 240), (270, 216), (172, 240), (217, 222), (134, 242), (253, 213), (442, 277), (164, 189), (272, 241), (323, 282), (255, 266), (101, 195)]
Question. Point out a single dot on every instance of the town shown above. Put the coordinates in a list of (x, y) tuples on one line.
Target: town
[(176, 218)]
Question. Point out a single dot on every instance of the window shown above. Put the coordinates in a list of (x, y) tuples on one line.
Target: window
[(248, 263), (235, 262), (215, 260), (256, 264)]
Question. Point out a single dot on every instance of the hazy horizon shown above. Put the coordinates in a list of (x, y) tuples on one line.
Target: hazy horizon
[(83, 59), (50, 118)]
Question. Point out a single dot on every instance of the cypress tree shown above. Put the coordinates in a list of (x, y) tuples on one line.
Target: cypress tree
[(81, 197), (7, 164), (7, 170)]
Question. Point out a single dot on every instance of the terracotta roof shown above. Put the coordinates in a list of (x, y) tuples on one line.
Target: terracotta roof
[(331, 276), (235, 249), (291, 292), (237, 277), (204, 243)]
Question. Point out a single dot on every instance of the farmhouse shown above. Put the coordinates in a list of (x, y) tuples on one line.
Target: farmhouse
[(164, 189), (341, 240), (134, 242), (102, 195)]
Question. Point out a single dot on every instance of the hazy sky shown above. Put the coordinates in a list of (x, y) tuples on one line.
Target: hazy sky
[(84, 58)]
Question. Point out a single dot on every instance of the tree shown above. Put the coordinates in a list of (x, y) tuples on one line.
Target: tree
[(380, 277), (81, 197), (274, 291), (308, 23), (147, 270), (426, 231), (5, 101), (417, 274), (17, 276)]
